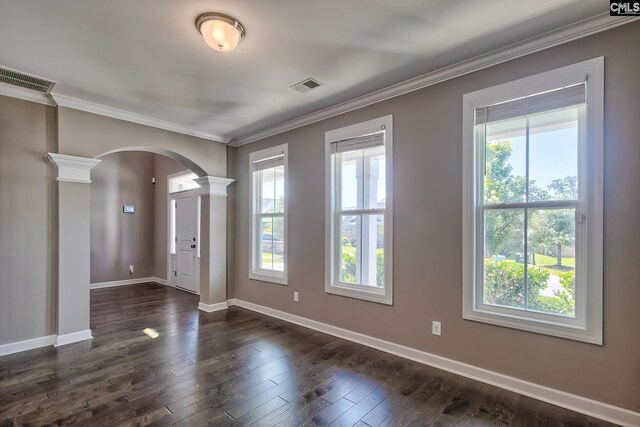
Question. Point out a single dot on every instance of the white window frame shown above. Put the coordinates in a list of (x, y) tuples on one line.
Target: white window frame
[(256, 273), (587, 325), (332, 284)]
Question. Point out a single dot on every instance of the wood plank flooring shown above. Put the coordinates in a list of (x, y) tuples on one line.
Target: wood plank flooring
[(236, 368)]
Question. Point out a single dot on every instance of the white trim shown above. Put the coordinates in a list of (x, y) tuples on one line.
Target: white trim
[(367, 293), (566, 400), (73, 168), (255, 273), (18, 92), (587, 325), (544, 41), (210, 308), (73, 338), (30, 344), (213, 185), (170, 197), (100, 285), (116, 113)]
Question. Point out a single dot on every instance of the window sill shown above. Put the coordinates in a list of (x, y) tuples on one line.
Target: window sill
[(278, 280), (378, 297), (556, 329)]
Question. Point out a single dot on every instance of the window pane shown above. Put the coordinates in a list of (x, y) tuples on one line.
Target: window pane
[(350, 248), (172, 221), (350, 184), (553, 155), (362, 178), (372, 250), (182, 183), (379, 251), (266, 243), (266, 181), (279, 189), (374, 178), (505, 161), (278, 243), (504, 258), (552, 260)]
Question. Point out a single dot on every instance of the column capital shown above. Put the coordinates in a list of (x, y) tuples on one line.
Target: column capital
[(213, 185), (72, 168)]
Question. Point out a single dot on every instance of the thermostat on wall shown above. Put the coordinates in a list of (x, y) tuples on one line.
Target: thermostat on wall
[(128, 209)]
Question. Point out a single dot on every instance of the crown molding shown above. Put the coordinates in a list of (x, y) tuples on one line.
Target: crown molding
[(213, 185), (544, 41), (104, 110), (13, 91)]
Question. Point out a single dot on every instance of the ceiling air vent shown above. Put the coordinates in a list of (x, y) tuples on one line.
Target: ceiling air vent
[(25, 80), (306, 85)]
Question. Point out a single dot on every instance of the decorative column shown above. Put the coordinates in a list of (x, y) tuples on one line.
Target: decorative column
[(73, 246), (213, 243)]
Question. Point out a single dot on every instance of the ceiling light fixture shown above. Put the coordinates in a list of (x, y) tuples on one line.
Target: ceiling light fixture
[(221, 32)]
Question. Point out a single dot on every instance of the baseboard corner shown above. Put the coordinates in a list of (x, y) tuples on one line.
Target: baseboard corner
[(210, 308), (73, 337)]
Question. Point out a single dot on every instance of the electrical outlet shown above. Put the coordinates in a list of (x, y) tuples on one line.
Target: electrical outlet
[(295, 296), (131, 269), (436, 328)]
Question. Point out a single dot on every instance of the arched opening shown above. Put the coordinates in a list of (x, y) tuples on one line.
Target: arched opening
[(144, 221), (74, 232), (188, 163)]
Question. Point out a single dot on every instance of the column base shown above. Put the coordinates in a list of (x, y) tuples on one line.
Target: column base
[(209, 308)]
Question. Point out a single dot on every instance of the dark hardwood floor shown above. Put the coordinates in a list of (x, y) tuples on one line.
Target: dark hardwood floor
[(238, 367)]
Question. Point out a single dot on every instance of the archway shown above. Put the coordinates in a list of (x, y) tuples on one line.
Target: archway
[(73, 239), (186, 162)]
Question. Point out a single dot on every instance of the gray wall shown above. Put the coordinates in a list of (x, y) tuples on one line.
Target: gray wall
[(428, 234), (119, 239), (89, 135), (27, 240)]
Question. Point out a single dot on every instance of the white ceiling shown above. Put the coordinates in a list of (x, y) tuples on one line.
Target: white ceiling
[(146, 56)]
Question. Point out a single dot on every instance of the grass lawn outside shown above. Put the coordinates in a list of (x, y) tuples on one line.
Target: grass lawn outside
[(549, 263), (278, 261)]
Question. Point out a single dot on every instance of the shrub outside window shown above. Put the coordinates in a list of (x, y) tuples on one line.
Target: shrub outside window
[(358, 218), (532, 229), (269, 180)]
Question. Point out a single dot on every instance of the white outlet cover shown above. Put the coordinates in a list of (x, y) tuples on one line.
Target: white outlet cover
[(436, 328), (295, 296)]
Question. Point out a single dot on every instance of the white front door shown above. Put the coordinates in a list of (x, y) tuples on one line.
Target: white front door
[(186, 243)]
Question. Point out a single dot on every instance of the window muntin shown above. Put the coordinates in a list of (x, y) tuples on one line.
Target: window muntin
[(548, 189), (358, 207), (269, 179), (529, 212), (360, 201)]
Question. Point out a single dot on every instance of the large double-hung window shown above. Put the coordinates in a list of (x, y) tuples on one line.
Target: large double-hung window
[(533, 203), (268, 169), (358, 218)]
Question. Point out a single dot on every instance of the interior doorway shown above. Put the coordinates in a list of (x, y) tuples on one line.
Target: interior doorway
[(183, 257)]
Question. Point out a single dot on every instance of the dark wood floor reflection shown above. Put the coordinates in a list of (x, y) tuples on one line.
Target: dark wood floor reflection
[(238, 367)]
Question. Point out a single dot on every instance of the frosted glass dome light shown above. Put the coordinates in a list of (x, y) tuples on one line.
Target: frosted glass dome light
[(221, 32)]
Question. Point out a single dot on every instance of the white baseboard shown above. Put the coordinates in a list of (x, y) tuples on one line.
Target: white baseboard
[(73, 337), (16, 347), (128, 282), (209, 308), (566, 400)]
